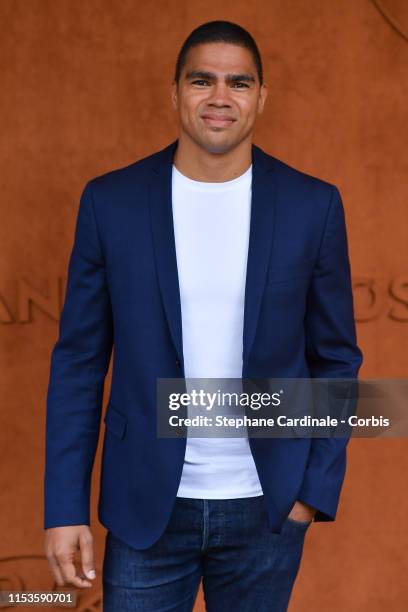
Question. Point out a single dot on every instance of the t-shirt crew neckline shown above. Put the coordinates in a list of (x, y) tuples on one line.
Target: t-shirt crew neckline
[(208, 186)]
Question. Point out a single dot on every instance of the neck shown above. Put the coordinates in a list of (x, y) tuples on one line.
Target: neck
[(197, 163)]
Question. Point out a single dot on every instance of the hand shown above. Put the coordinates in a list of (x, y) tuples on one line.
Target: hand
[(61, 544), (302, 512)]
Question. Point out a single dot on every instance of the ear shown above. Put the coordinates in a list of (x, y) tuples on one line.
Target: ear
[(174, 95), (263, 94)]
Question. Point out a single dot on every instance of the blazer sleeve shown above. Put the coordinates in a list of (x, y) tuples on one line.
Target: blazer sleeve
[(79, 363), (331, 352)]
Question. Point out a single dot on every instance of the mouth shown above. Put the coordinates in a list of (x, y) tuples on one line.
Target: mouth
[(217, 120)]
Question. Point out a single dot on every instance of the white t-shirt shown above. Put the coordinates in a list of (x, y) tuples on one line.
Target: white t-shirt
[(211, 227)]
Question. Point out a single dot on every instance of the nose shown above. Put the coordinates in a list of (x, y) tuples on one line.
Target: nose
[(219, 95)]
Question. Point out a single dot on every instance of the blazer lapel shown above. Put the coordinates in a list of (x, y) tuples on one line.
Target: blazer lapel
[(260, 241), (164, 242)]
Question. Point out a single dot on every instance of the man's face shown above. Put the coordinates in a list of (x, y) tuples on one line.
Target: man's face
[(218, 96)]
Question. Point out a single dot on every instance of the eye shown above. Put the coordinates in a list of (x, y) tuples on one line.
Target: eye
[(199, 81), (241, 83)]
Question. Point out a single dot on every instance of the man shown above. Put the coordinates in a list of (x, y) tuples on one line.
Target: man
[(212, 259)]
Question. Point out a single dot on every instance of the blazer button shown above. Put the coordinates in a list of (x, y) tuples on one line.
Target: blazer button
[(178, 363)]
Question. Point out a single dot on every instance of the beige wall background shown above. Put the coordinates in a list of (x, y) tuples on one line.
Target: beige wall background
[(85, 88)]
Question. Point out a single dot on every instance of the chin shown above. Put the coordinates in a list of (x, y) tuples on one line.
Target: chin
[(212, 146)]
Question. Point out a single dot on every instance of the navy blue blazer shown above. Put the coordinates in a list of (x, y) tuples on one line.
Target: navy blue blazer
[(122, 294)]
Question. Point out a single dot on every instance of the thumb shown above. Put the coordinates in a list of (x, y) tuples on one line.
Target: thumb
[(87, 554)]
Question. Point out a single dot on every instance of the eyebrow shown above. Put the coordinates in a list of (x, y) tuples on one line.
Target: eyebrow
[(199, 74)]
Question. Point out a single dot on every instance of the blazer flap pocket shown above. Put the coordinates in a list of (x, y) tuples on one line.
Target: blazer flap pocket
[(115, 421), (287, 272)]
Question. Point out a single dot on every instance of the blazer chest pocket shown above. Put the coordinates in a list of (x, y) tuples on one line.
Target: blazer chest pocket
[(115, 421), (301, 269)]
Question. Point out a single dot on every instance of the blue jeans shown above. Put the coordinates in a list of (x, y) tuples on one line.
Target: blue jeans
[(226, 542)]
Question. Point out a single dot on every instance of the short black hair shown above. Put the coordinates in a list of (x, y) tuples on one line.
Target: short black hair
[(219, 31)]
